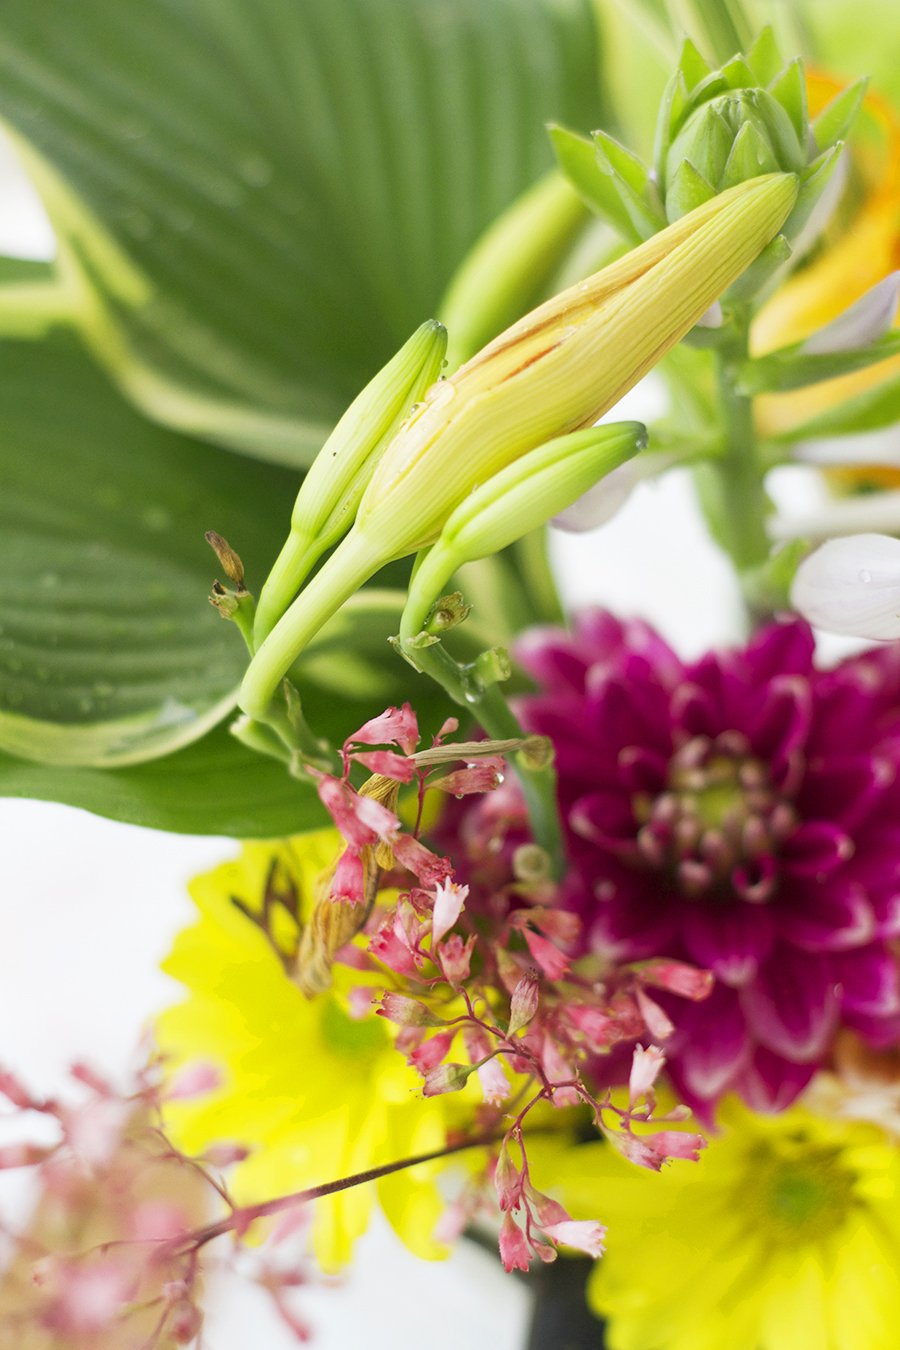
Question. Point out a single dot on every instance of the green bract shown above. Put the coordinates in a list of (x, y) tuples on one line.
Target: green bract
[(716, 128)]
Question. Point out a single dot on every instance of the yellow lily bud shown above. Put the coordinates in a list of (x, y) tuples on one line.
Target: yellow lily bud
[(555, 371)]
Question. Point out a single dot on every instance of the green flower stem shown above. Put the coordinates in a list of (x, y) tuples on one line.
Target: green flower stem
[(740, 469), (343, 574), (468, 686)]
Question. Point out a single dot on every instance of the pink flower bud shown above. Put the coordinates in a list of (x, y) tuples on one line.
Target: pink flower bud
[(678, 978), (547, 1254), (15, 1092), (597, 1028), (427, 866), (474, 778), (223, 1155), (645, 1068), (448, 902), (524, 1003), (507, 1181), (194, 1080), (515, 1252), (185, 1324), (445, 1078), (455, 958), (546, 1210), (407, 1012), (554, 923), (583, 1234), (494, 1082), (430, 1053), (549, 958)]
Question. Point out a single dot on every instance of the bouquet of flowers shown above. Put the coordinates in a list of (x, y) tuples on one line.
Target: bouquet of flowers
[(541, 933)]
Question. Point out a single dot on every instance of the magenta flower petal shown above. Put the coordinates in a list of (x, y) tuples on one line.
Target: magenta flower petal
[(743, 812), (771, 1083), (845, 788), (792, 1005), (711, 1045), (815, 849), (869, 981), (729, 941), (833, 917)]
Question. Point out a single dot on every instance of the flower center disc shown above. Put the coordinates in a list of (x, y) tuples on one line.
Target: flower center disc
[(717, 828)]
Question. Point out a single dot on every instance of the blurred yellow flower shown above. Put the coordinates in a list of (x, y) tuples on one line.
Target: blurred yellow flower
[(785, 1235), (866, 249), (314, 1091)]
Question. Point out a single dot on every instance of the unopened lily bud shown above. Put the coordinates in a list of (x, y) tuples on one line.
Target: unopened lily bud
[(851, 586), (331, 491), (557, 370), (507, 1181), (524, 1003)]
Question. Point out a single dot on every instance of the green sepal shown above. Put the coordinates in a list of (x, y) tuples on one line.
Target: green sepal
[(688, 190), (761, 271), (870, 411), (835, 120), (692, 65), (764, 58), (751, 156), (671, 110), (789, 88), (644, 218), (738, 74), (711, 87), (577, 158), (706, 141), (789, 368), (635, 174), (789, 149), (813, 182)]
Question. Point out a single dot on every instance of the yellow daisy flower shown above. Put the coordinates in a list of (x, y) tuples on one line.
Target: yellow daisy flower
[(312, 1090), (785, 1235)]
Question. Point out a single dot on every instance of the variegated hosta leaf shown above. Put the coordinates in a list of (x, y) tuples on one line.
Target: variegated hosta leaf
[(257, 201)]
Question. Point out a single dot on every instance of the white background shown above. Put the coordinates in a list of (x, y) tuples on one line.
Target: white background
[(89, 907)]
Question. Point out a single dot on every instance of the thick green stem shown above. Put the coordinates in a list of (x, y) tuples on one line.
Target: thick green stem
[(466, 686), (742, 498)]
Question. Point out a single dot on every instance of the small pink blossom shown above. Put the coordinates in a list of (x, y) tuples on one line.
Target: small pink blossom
[(515, 1252), (554, 923), (678, 978), (494, 1082), (557, 1070), (453, 1222), (94, 1130), (393, 949), (455, 958), (406, 1011), (388, 764), (194, 1080), (430, 1053), (549, 958), (427, 866), (360, 1000), (23, 1155), (583, 1234), (361, 820), (445, 1078), (348, 883), (88, 1295), (14, 1091), (657, 1022), (652, 1150), (645, 1069), (395, 725), (593, 1024), (546, 1210), (448, 902)]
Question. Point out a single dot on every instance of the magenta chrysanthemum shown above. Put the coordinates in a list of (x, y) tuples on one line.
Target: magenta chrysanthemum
[(742, 813)]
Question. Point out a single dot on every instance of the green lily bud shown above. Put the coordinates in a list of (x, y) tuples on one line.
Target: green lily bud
[(555, 371), (332, 490), (516, 500)]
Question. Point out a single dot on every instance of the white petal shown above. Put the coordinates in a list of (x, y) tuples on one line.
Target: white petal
[(860, 325), (852, 586), (843, 516), (866, 447), (600, 503)]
